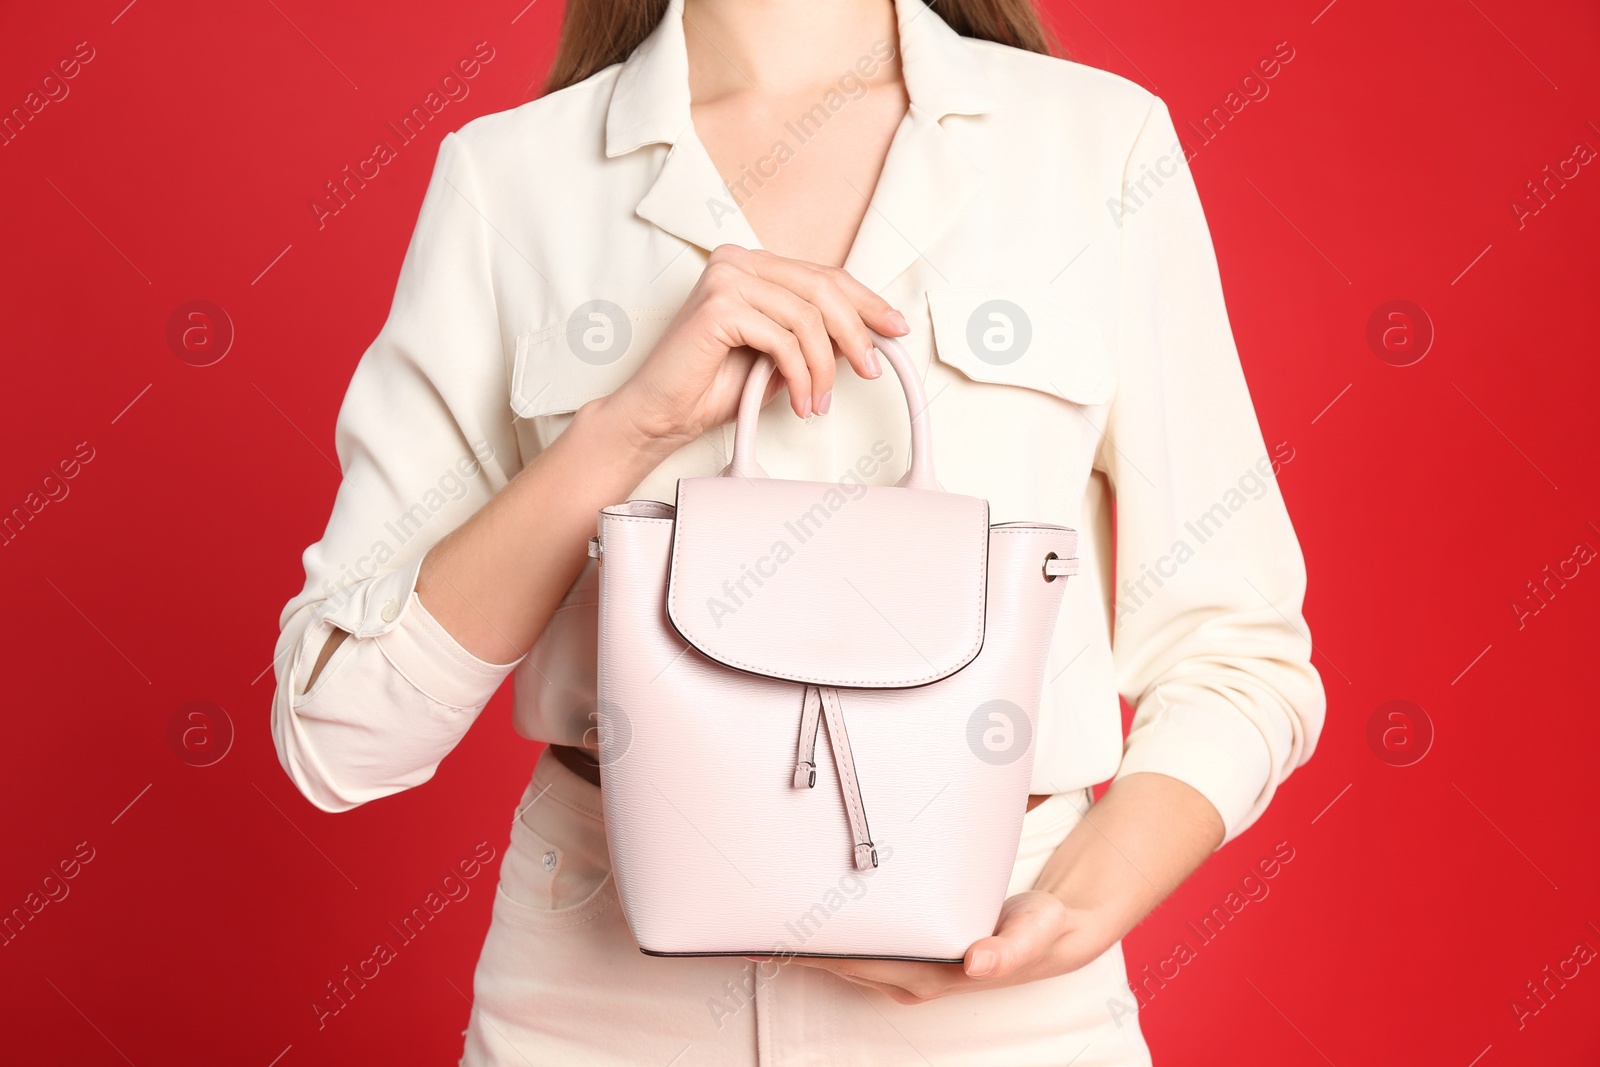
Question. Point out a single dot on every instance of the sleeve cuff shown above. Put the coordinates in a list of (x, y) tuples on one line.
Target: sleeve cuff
[(373, 606), (416, 644), (424, 652), (1223, 756)]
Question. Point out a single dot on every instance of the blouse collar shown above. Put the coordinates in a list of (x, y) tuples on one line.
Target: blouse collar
[(651, 101)]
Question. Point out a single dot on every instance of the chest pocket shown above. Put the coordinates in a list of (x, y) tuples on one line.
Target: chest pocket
[(563, 365), (1017, 338)]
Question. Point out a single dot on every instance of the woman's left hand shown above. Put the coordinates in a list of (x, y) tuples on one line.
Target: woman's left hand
[(1038, 936), (1139, 842)]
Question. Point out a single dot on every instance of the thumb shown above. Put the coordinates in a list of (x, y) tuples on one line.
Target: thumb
[(1022, 935)]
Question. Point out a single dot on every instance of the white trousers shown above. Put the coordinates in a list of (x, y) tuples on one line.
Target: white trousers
[(561, 981)]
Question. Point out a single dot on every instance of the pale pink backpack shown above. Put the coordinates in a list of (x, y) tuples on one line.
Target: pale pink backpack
[(897, 619)]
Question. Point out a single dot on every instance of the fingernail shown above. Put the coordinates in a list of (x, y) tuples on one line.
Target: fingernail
[(983, 962), (805, 408), (899, 321), (874, 368), (825, 402)]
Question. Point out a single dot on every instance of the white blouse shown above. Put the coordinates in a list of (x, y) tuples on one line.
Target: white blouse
[(1036, 222)]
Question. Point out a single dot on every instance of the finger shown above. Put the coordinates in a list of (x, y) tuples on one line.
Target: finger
[(903, 973), (905, 982), (1024, 936), (848, 306), (808, 323), (893, 992), (881, 315), (990, 958), (846, 321), (751, 327)]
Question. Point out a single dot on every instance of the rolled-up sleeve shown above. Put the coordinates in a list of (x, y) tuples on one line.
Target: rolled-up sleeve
[(1210, 645), (424, 438)]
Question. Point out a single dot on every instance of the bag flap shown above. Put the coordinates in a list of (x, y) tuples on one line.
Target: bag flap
[(832, 584)]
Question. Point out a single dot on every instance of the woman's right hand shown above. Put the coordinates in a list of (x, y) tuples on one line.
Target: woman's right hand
[(804, 315)]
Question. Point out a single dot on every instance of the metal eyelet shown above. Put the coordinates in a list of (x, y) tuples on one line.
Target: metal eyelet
[(1045, 569)]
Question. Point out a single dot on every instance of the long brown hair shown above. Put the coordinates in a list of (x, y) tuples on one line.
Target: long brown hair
[(598, 33)]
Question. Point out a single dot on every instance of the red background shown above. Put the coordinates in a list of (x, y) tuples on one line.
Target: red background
[(1382, 166)]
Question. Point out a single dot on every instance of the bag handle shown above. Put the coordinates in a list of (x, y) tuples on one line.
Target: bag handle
[(918, 476)]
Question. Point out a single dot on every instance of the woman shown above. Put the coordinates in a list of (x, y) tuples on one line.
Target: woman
[(581, 300)]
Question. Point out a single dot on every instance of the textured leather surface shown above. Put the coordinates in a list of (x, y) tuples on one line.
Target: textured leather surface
[(714, 850), (835, 585)]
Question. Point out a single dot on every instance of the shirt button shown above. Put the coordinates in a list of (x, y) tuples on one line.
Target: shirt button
[(549, 861), (391, 611)]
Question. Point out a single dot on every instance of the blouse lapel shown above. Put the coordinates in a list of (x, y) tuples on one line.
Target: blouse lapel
[(689, 199)]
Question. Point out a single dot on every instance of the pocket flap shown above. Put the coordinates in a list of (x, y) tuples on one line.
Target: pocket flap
[(1010, 337), (560, 367), (856, 586)]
